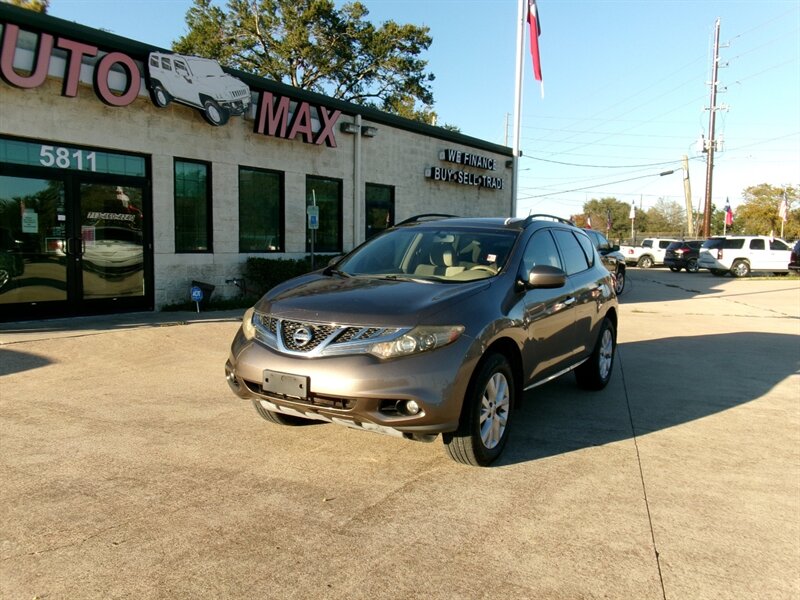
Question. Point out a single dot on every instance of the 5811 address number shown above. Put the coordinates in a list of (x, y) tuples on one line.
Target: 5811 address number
[(66, 158)]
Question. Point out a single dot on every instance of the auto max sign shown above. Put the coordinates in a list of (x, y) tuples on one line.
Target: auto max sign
[(458, 175), (192, 81)]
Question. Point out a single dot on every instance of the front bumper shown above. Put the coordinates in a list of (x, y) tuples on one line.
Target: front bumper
[(361, 390)]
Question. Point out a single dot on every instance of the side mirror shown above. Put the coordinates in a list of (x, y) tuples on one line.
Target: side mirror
[(615, 248), (545, 277), (335, 260)]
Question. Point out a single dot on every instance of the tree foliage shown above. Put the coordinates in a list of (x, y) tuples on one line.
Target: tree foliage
[(759, 213), (37, 5), (310, 44)]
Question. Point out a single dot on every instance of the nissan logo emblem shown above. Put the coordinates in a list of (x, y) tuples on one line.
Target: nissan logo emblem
[(302, 336)]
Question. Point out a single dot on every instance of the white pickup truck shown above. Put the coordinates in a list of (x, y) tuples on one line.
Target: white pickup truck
[(649, 253)]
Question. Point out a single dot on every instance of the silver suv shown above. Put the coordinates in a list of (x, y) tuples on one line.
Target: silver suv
[(436, 326)]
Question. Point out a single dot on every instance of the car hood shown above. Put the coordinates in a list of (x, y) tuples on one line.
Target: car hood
[(364, 300)]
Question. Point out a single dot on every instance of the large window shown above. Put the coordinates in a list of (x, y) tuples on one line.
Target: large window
[(327, 193), (378, 208), (260, 210), (192, 206)]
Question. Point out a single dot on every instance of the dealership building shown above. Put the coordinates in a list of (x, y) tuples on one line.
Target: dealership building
[(128, 172)]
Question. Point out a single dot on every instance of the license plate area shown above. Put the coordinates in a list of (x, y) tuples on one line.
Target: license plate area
[(285, 384)]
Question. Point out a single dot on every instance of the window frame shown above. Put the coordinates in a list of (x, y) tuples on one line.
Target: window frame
[(209, 205), (384, 186), (281, 209), (340, 207)]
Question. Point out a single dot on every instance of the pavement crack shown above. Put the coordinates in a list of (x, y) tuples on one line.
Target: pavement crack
[(641, 477)]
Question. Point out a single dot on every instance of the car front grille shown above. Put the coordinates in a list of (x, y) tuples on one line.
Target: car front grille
[(308, 338)]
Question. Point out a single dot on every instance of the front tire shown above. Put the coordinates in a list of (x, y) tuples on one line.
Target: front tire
[(645, 262), (278, 418), (483, 428), (595, 373), (619, 282), (215, 114)]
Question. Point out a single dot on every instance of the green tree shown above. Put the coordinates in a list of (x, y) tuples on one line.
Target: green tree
[(310, 44), (37, 5), (600, 211), (758, 214), (666, 217)]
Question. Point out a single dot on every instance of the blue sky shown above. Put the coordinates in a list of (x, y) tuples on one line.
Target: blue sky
[(625, 88)]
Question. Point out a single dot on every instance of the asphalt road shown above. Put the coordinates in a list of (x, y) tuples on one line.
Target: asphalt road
[(129, 470)]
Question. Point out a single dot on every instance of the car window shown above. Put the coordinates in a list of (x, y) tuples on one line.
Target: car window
[(574, 259), (663, 244), (166, 64), (713, 243), (541, 250), (431, 253), (732, 244), (757, 245), (647, 244), (777, 245), (154, 61), (588, 248)]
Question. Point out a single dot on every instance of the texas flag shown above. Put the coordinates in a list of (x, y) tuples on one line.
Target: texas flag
[(783, 211), (728, 215), (536, 31)]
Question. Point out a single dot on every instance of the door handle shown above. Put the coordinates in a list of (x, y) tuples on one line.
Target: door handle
[(570, 301)]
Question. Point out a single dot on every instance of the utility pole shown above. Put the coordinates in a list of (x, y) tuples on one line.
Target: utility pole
[(687, 195), (711, 139)]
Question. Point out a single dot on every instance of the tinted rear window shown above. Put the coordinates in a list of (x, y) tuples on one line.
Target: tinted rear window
[(732, 244), (713, 243)]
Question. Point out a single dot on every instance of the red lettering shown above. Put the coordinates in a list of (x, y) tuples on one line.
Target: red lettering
[(72, 73), (272, 119), (328, 121), (301, 123), (39, 74), (102, 71)]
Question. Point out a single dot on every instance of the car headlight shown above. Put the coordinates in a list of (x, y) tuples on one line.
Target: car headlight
[(248, 329), (419, 339)]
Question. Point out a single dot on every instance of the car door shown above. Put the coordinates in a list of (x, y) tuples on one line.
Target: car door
[(779, 255), (759, 255), (548, 314), (578, 259)]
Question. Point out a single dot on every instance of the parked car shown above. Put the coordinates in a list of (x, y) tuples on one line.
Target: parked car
[(741, 254), (612, 258), (648, 254), (683, 255), (794, 258), (435, 326)]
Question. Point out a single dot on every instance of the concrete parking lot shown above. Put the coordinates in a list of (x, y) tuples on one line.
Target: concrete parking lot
[(130, 470)]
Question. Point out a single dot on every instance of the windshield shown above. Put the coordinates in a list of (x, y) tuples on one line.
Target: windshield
[(439, 254), (205, 68)]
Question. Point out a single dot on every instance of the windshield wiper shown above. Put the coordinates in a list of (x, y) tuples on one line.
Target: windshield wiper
[(335, 271)]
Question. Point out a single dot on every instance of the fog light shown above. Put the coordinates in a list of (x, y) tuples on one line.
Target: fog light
[(410, 407)]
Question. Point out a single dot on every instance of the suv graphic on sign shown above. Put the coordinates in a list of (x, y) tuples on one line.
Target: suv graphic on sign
[(198, 82)]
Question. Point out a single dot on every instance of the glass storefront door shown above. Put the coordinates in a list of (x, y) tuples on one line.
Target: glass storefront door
[(73, 240)]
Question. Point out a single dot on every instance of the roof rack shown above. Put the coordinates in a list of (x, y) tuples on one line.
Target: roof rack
[(530, 218), (425, 217)]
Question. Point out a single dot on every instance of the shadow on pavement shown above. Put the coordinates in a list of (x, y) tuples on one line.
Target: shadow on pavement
[(665, 382), (12, 361)]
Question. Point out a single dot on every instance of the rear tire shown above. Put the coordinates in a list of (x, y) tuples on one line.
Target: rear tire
[(645, 262), (675, 269), (279, 418), (483, 428), (740, 268), (595, 373), (691, 266)]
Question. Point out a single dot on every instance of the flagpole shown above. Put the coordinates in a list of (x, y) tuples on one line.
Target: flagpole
[(521, 21)]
